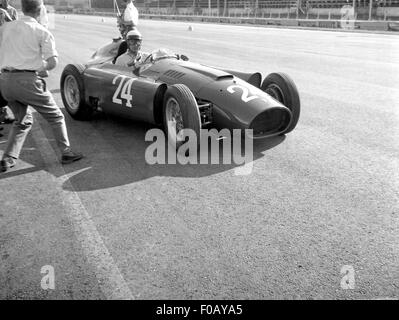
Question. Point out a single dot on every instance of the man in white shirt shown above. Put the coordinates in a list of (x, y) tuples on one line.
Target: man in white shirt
[(27, 53), (133, 56), (128, 19)]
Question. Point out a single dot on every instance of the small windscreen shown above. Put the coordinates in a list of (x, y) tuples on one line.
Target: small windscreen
[(162, 54)]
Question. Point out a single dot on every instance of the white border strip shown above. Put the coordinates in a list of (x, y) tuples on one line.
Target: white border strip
[(110, 279)]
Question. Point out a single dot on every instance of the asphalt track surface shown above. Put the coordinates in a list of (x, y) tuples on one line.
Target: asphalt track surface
[(321, 198)]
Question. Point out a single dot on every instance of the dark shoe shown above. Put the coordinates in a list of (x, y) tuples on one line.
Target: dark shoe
[(9, 120), (7, 163), (69, 156)]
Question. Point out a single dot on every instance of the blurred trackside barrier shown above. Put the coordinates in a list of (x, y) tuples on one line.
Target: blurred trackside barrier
[(320, 23)]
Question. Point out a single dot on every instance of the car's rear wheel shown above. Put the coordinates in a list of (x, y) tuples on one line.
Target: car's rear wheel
[(281, 87), (73, 93), (180, 112)]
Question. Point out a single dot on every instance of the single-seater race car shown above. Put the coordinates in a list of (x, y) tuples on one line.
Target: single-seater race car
[(169, 90)]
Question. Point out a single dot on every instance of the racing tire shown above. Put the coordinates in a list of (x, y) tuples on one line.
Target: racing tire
[(281, 87), (73, 92), (180, 111)]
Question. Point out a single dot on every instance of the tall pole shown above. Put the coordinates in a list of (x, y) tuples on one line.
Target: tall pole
[(209, 7), (354, 9), (370, 8), (256, 7)]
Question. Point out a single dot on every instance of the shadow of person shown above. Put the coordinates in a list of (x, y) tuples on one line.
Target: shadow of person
[(116, 155)]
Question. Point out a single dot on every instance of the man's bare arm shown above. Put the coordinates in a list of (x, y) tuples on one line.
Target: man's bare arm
[(48, 65)]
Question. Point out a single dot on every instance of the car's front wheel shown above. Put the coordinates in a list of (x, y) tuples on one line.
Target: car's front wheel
[(281, 87), (180, 112), (73, 94)]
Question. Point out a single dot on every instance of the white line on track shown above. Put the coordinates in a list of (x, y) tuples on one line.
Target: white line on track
[(110, 279)]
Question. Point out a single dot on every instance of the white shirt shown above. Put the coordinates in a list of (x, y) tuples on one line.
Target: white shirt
[(130, 15), (25, 44), (128, 60)]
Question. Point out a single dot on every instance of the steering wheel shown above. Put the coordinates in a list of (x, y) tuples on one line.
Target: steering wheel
[(149, 57)]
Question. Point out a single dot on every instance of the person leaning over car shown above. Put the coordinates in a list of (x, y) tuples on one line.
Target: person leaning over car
[(128, 19), (4, 4), (43, 17), (133, 56), (27, 53)]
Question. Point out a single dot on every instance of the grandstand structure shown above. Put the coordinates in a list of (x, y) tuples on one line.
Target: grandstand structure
[(294, 9), (364, 9)]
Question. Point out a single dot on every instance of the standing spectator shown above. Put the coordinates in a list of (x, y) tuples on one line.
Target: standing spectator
[(30, 54), (43, 17), (4, 4), (129, 18)]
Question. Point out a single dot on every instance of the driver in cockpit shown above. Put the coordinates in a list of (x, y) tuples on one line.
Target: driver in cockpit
[(133, 56)]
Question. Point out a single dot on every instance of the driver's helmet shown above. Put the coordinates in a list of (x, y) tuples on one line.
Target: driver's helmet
[(134, 35)]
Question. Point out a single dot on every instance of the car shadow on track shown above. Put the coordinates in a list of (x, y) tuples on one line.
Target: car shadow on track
[(115, 156)]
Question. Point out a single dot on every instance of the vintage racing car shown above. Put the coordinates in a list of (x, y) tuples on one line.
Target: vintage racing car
[(169, 90)]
